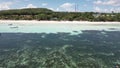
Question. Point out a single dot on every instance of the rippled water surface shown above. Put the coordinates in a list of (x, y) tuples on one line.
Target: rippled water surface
[(59, 46)]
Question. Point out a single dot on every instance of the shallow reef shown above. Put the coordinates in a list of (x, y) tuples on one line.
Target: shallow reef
[(90, 49)]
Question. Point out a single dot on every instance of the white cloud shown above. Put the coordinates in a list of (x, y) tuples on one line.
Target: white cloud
[(67, 6), (5, 5), (98, 2), (57, 9), (98, 9), (115, 10), (51, 9), (30, 6), (103, 3), (44, 4), (107, 2)]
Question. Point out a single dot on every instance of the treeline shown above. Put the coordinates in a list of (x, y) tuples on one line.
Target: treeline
[(46, 14)]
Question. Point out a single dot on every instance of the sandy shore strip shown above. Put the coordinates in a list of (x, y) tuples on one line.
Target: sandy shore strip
[(63, 22)]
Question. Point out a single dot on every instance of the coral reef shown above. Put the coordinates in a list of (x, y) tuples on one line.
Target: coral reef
[(92, 49)]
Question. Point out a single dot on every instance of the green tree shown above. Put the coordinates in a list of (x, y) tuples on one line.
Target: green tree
[(41, 16)]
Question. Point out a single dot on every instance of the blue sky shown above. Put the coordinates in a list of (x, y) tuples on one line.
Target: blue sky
[(64, 5)]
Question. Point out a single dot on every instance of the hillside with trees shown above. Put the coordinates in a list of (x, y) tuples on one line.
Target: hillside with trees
[(46, 14)]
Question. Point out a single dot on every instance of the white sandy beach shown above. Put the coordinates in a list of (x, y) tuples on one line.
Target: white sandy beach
[(37, 22)]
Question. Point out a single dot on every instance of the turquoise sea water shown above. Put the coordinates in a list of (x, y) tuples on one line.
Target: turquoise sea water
[(53, 28), (59, 45)]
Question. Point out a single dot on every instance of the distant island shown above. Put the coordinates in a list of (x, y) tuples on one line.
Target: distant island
[(49, 15)]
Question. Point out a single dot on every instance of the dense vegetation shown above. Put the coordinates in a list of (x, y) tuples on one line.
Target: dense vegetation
[(46, 14)]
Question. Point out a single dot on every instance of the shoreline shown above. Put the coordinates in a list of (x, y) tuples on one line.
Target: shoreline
[(62, 22)]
